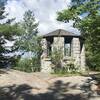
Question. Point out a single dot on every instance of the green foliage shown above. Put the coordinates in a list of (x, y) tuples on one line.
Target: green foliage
[(29, 24), (89, 25), (29, 41), (7, 33), (70, 65), (28, 65), (56, 57), (64, 72), (65, 15), (62, 65), (67, 74), (8, 30)]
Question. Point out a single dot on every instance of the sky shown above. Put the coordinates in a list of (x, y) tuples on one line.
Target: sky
[(45, 12)]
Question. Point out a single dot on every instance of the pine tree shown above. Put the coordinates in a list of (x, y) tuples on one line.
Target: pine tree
[(7, 32), (2, 49), (29, 40)]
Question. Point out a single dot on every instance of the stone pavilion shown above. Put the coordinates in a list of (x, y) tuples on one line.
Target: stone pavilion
[(72, 46)]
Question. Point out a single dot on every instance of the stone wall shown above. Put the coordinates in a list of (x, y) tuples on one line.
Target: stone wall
[(46, 65), (44, 48), (59, 44), (75, 52), (45, 62)]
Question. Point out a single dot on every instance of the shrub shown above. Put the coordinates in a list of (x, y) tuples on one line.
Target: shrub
[(93, 61), (28, 65), (63, 65), (56, 57)]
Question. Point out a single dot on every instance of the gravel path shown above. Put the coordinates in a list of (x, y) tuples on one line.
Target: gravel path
[(16, 85)]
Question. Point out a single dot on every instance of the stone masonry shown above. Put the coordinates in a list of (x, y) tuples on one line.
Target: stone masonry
[(58, 44), (77, 49), (44, 63)]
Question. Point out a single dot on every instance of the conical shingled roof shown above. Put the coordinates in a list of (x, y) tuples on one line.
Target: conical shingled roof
[(60, 32)]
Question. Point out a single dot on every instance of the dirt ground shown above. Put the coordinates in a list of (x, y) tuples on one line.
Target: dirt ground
[(16, 85)]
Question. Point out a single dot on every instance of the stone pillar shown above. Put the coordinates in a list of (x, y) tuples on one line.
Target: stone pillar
[(76, 51), (44, 48), (46, 65), (45, 62), (83, 64), (59, 44)]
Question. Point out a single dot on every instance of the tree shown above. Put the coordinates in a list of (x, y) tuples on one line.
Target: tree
[(28, 37), (2, 49), (28, 40), (86, 16), (7, 32)]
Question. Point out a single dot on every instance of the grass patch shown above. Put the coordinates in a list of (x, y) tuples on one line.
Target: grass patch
[(67, 74), (28, 70)]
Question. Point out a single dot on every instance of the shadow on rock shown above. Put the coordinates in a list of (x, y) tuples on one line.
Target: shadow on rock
[(57, 91)]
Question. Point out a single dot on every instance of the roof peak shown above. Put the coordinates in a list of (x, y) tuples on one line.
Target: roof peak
[(60, 32)]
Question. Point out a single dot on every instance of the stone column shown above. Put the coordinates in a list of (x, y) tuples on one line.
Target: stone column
[(45, 62), (46, 65), (76, 51), (83, 64), (59, 44), (44, 48)]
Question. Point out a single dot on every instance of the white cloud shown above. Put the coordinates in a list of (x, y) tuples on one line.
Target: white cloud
[(45, 12), (15, 9)]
